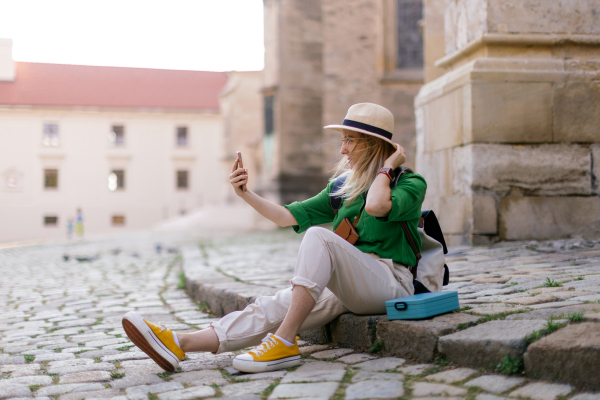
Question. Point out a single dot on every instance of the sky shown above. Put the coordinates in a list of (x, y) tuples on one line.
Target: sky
[(205, 35)]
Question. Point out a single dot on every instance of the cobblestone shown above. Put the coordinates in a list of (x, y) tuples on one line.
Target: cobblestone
[(67, 315)]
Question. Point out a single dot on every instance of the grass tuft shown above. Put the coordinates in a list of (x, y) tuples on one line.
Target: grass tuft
[(377, 347), (267, 392), (29, 358), (116, 375), (33, 388), (181, 284), (509, 365), (551, 283), (165, 376), (575, 317)]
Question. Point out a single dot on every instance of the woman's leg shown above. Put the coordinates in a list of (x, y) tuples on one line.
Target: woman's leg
[(203, 340)]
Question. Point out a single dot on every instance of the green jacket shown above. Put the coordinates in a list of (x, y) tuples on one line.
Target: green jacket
[(380, 235)]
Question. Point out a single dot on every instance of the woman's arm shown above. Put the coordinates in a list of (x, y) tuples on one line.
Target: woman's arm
[(379, 200), (276, 213)]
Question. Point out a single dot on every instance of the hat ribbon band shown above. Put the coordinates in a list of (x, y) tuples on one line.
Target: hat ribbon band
[(367, 127)]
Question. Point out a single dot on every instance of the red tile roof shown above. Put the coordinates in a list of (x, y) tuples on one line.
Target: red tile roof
[(79, 85)]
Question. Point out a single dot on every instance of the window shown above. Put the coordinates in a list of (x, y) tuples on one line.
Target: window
[(410, 42), (182, 136), (116, 137), (269, 120), (118, 220), (182, 179), (51, 220), (51, 179), (50, 135), (116, 180)]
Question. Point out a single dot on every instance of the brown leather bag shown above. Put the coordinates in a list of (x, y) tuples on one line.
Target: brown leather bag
[(347, 230)]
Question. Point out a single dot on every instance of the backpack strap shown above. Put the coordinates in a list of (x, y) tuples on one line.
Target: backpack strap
[(336, 201)]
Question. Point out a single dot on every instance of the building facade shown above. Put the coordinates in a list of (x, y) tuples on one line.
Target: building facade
[(321, 57), (129, 147)]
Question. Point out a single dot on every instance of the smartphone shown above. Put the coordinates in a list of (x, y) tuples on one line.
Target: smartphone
[(240, 165)]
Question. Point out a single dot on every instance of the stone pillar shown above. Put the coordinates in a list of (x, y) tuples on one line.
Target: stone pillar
[(7, 65), (508, 138)]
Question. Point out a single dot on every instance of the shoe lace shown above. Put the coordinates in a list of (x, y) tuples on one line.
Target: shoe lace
[(267, 343), (162, 327)]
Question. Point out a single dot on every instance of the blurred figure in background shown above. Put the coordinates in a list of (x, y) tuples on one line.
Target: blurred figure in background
[(79, 224), (70, 227)]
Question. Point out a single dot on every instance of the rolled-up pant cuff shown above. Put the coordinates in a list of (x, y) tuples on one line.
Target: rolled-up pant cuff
[(313, 289)]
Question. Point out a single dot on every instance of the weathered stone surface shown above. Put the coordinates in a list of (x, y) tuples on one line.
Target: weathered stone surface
[(321, 391), (381, 364), (244, 388), (265, 375), (54, 357), (141, 392), (486, 345), (311, 375), (87, 376), (188, 394), (495, 383), (418, 339), (571, 354), (80, 368), (321, 366), (205, 377), (355, 358), (129, 381), (452, 375), (376, 376), (333, 353), (586, 396), (142, 370), (355, 331), (576, 112), (382, 390), (526, 218), (422, 389), (542, 391), (415, 369), (68, 388), (14, 390), (95, 394), (43, 380), (314, 348)]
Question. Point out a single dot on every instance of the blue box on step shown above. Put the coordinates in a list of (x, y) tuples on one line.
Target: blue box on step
[(422, 305)]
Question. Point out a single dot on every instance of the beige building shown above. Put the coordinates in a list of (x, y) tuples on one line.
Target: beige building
[(130, 147)]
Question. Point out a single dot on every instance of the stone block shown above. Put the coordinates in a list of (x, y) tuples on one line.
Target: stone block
[(321, 391), (577, 112), (486, 345), (86, 376), (418, 339), (596, 168), (245, 388), (141, 392), (355, 331), (495, 383), (485, 215), (452, 375), (422, 389), (511, 113), (527, 218), (443, 121), (314, 376), (377, 376), (558, 169), (382, 390), (333, 353), (188, 394), (542, 391), (381, 364), (571, 354), (356, 358)]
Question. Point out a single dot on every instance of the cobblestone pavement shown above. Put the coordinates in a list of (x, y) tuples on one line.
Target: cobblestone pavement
[(61, 334)]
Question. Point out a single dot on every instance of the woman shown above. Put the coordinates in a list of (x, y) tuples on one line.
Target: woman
[(332, 276)]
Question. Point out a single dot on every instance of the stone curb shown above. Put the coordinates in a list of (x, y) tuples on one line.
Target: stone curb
[(482, 345)]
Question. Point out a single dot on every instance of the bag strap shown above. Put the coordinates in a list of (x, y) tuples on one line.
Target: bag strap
[(413, 246), (361, 210)]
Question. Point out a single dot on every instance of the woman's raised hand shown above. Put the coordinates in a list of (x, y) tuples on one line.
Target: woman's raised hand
[(396, 159), (239, 178)]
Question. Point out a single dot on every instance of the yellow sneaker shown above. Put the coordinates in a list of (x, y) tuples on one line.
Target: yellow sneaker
[(272, 354), (154, 340)]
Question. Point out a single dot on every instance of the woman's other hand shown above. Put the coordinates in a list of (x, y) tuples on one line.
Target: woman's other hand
[(396, 159), (239, 178)]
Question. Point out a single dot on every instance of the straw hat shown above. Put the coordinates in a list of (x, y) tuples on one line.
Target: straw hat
[(370, 119)]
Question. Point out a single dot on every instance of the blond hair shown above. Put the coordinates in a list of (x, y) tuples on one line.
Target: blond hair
[(360, 178)]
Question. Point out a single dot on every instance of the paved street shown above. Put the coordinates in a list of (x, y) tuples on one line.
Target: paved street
[(61, 334)]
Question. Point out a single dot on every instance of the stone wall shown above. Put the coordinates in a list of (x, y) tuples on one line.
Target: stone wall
[(353, 50), (508, 135)]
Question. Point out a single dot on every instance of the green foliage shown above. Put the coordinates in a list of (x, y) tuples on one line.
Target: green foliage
[(29, 358), (58, 350), (509, 366), (552, 326), (513, 283), (116, 375), (81, 331), (4, 375), (33, 388), (237, 380), (575, 317), (551, 283), (376, 348), (501, 315), (534, 336), (462, 326), (152, 396), (127, 347), (465, 308), (203, 306), (441, 360), (580, 278), (267, 392), (165, 376), (181, 284)]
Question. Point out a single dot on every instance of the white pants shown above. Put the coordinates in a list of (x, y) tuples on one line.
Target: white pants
[(338, 276)]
